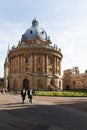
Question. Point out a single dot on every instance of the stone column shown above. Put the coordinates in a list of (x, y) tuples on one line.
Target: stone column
[(46, 65), (18, 64), (13, 65), (10, 66), (34, 63), (54, 65), (31, 63), (59, 67), (21, 64), (43, 64)]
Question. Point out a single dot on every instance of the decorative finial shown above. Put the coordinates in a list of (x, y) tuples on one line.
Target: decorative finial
[(34, 18), (35, 22)]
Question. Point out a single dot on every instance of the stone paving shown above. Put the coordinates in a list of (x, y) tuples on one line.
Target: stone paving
[(45, 113)]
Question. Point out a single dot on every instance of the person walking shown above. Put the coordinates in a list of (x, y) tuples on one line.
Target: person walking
[(23, 94), (30, 95)]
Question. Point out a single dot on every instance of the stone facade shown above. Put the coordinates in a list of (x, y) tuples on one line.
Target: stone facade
[(72, 79), (34, 62)]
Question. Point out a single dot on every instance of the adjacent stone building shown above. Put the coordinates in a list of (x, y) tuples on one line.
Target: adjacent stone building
[(72, 79), (34, 62)]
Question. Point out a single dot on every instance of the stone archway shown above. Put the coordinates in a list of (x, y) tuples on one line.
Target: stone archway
[(26, 84)]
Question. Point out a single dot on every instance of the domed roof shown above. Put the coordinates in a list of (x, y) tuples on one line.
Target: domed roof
[(35, 31)]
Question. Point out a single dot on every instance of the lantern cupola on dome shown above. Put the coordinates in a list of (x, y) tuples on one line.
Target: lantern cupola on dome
[(35, 32)]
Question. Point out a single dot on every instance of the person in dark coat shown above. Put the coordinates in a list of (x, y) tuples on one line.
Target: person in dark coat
[(23, 94), (30, 95)]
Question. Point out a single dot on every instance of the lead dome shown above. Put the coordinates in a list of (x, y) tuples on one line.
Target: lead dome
[(35, 32)]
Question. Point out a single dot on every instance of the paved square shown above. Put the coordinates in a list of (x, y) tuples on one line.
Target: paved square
[(45, 113)]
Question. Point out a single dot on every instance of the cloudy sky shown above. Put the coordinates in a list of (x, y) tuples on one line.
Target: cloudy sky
[(65, 21)]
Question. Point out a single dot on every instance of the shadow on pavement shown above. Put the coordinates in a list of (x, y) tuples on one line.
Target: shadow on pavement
[(26, 116)]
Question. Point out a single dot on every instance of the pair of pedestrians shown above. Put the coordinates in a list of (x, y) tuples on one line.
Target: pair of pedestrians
[(29, 93)]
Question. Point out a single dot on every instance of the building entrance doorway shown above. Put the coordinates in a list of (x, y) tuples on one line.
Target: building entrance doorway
[(26, 84)]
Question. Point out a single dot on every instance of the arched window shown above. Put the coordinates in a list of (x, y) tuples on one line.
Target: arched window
[(26, 60)]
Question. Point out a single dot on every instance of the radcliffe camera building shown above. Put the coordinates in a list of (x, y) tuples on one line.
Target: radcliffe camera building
[(34, 62)]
